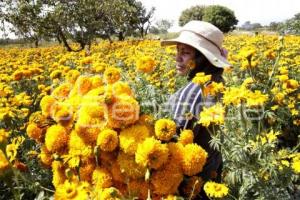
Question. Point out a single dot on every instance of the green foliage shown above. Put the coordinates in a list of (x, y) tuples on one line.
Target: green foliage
[(161, 27), (78, 21), (220, 16), (193, 13)]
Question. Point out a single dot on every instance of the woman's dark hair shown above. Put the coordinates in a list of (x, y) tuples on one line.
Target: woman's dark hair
[(203, 65)]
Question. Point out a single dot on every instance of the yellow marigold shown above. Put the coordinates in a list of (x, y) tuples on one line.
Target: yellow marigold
[(138, 188), (256, 98), (46, 157), (186, 137), (176, 151), (12, 148), (17, 75), (56, 74), (34, 132), (4, 164), (290, 85), (215, 190), (62, 91), (112, 75), (88, 128), (77, 149), (213, 89), (71, 191), (201, 78), (212, 115), (3, 135), (47, 104), (110, 194), (194, 159), (145, 64), (120, 87), (108, 140), (96, 81), (151, 153), (129, 167), (56, 139), (116, 172), (165, 129), (296, 164), (234, 95), (167, 179), (101, 178), (72, 76), (192, 187), (93, 109), (131, 137), (123, 112), (86, 171), (63, 114), (82, 85), (58, 171)]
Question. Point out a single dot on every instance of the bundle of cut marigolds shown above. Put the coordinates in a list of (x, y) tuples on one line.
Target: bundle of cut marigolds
[(100, 146)]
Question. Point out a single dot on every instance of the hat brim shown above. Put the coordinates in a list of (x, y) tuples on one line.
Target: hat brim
[(211, 52)]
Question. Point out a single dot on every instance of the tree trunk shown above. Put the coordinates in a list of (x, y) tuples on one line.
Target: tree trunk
[(64, 39), (121, 36)]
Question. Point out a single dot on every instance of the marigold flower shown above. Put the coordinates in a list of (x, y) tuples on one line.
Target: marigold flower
[(145, 64), (86, 171), (110, 193), (151, 153), (72, 76), (165, 129), (215, 190), (214, 114), (34, 132), (296, 164), (47, 104), (3, 135), (108, 140), (194, 159), (129, 167), (131, 137), (58, 171), (4, 164), (186, 137), (71, 190), (56, 139), (256, 98), (111, 75), (62, 91), (123, 112), (101, 178), (138, 188), (46, 157), (201, 78), (213, 89), (120, 87), (166, 180)]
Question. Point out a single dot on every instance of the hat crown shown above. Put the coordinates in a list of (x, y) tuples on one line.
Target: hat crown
[(206, 30)]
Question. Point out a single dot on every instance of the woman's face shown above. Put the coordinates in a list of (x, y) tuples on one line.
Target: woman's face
[(185, 55)]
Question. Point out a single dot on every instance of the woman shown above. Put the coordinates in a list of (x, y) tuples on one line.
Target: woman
[(199, 43)]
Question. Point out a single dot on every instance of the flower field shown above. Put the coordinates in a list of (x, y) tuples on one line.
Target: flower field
[(95, 125)]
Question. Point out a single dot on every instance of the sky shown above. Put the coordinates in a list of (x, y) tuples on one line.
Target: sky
[(255, 11)]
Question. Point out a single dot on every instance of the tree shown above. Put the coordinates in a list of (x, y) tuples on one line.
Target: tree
[(193, 13), (161, 26), (220, 16), (79, 21), (292, 25)]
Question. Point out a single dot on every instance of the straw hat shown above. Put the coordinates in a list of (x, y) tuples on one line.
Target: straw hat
[(206, 38)]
